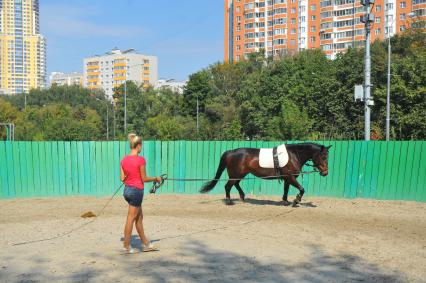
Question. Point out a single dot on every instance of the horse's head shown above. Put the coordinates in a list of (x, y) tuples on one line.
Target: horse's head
[(320, 160)]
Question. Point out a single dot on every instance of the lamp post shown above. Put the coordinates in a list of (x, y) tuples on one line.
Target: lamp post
[(113, 121), (390, 27), (198, 121), (125, 103), (107, 121), (125, 93), (388, 82), (367, 19)]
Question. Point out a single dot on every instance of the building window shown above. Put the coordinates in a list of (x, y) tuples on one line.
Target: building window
[(378, 8), (237, 58), (377, 31), (378, 20), (293, 21), (312, 38), (313, 7), (402, 28), (293, 10), (313, 28), (389, 6), (237, 9), (292, 42), (403, 4), (313, 17), (402, 16), (238, 38), (238, 47), (293, 31), (238, 19), (238, 28)]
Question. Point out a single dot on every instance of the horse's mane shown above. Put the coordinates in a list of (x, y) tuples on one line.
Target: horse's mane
[(304, 145)]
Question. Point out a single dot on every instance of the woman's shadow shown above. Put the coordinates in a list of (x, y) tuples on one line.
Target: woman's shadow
[(135, 242)]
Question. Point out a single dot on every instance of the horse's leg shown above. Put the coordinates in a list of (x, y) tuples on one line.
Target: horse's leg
[(292, 180), (240, 190), (285, 195), (228, 188)]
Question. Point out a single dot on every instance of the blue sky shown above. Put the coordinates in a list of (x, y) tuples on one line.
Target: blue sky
[(185, 35)]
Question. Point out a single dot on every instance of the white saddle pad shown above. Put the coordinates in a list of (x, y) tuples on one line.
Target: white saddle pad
[(266, 159)]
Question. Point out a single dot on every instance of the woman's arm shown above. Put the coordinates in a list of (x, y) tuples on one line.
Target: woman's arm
[(122, 176), (145, 178)]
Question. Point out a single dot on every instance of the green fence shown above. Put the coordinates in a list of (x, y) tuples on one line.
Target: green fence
[(380, 170)]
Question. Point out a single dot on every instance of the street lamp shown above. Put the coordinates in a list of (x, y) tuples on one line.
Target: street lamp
[(388, 83), (125, 93), (390, 27), (125, 103), (367, 19), (198, 122)]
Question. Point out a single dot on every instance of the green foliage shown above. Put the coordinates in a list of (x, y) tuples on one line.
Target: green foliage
[(298, 97), (58, 122)]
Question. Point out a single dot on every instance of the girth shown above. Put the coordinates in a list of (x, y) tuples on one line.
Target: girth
[(276, 162)]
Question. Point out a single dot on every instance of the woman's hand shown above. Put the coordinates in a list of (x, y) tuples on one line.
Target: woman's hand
[(158, 179)]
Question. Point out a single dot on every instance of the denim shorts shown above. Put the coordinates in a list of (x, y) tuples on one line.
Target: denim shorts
[(133, 196)]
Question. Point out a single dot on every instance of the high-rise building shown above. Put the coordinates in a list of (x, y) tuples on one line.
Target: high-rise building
[(22, 47), (286, 26), (419, 14), (112, 69), (69, 79)]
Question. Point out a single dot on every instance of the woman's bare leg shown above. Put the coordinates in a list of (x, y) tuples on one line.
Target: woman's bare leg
[(131, 217), (139, 227)]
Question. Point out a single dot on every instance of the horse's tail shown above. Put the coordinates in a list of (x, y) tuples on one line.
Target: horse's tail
[(208, 186)]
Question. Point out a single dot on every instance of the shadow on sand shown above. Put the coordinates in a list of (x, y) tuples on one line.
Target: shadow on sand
[(197, 262)]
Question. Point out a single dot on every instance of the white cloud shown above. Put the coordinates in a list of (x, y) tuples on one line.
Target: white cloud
[(80, 21)]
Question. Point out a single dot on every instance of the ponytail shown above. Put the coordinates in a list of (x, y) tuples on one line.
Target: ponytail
[(134, 140)]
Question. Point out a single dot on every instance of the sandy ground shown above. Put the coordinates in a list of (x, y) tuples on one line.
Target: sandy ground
[(202, 240)]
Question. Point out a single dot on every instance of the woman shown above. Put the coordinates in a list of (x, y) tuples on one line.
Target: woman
[(133, 174)]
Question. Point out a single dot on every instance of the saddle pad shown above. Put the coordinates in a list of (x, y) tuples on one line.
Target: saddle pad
[(266, 159)]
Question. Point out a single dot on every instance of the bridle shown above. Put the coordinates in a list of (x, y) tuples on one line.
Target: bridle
[(321, 161)]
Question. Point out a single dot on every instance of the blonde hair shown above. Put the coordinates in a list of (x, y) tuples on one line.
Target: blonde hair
[(134, 140)]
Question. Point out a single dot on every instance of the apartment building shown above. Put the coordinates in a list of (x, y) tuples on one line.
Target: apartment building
[(419, 14), (173, 85), (287, 26), (115, 67), (22, 47), (69, 79)]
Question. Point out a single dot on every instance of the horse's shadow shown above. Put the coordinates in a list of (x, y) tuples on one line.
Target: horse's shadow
[(273, 202)]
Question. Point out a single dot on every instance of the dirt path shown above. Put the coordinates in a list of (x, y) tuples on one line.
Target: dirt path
[(202, 240)]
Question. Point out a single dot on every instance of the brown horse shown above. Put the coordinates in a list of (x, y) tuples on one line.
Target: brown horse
[(242, 161)]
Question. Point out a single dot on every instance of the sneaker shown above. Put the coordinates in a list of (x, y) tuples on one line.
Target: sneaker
[(128, 251), (149, 247)]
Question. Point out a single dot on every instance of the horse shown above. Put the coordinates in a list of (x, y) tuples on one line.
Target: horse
[(242, 161)]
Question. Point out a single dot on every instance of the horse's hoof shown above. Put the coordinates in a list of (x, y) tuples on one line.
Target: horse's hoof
[(295, 204), (229, 202), (242, 199), (286, 203)]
